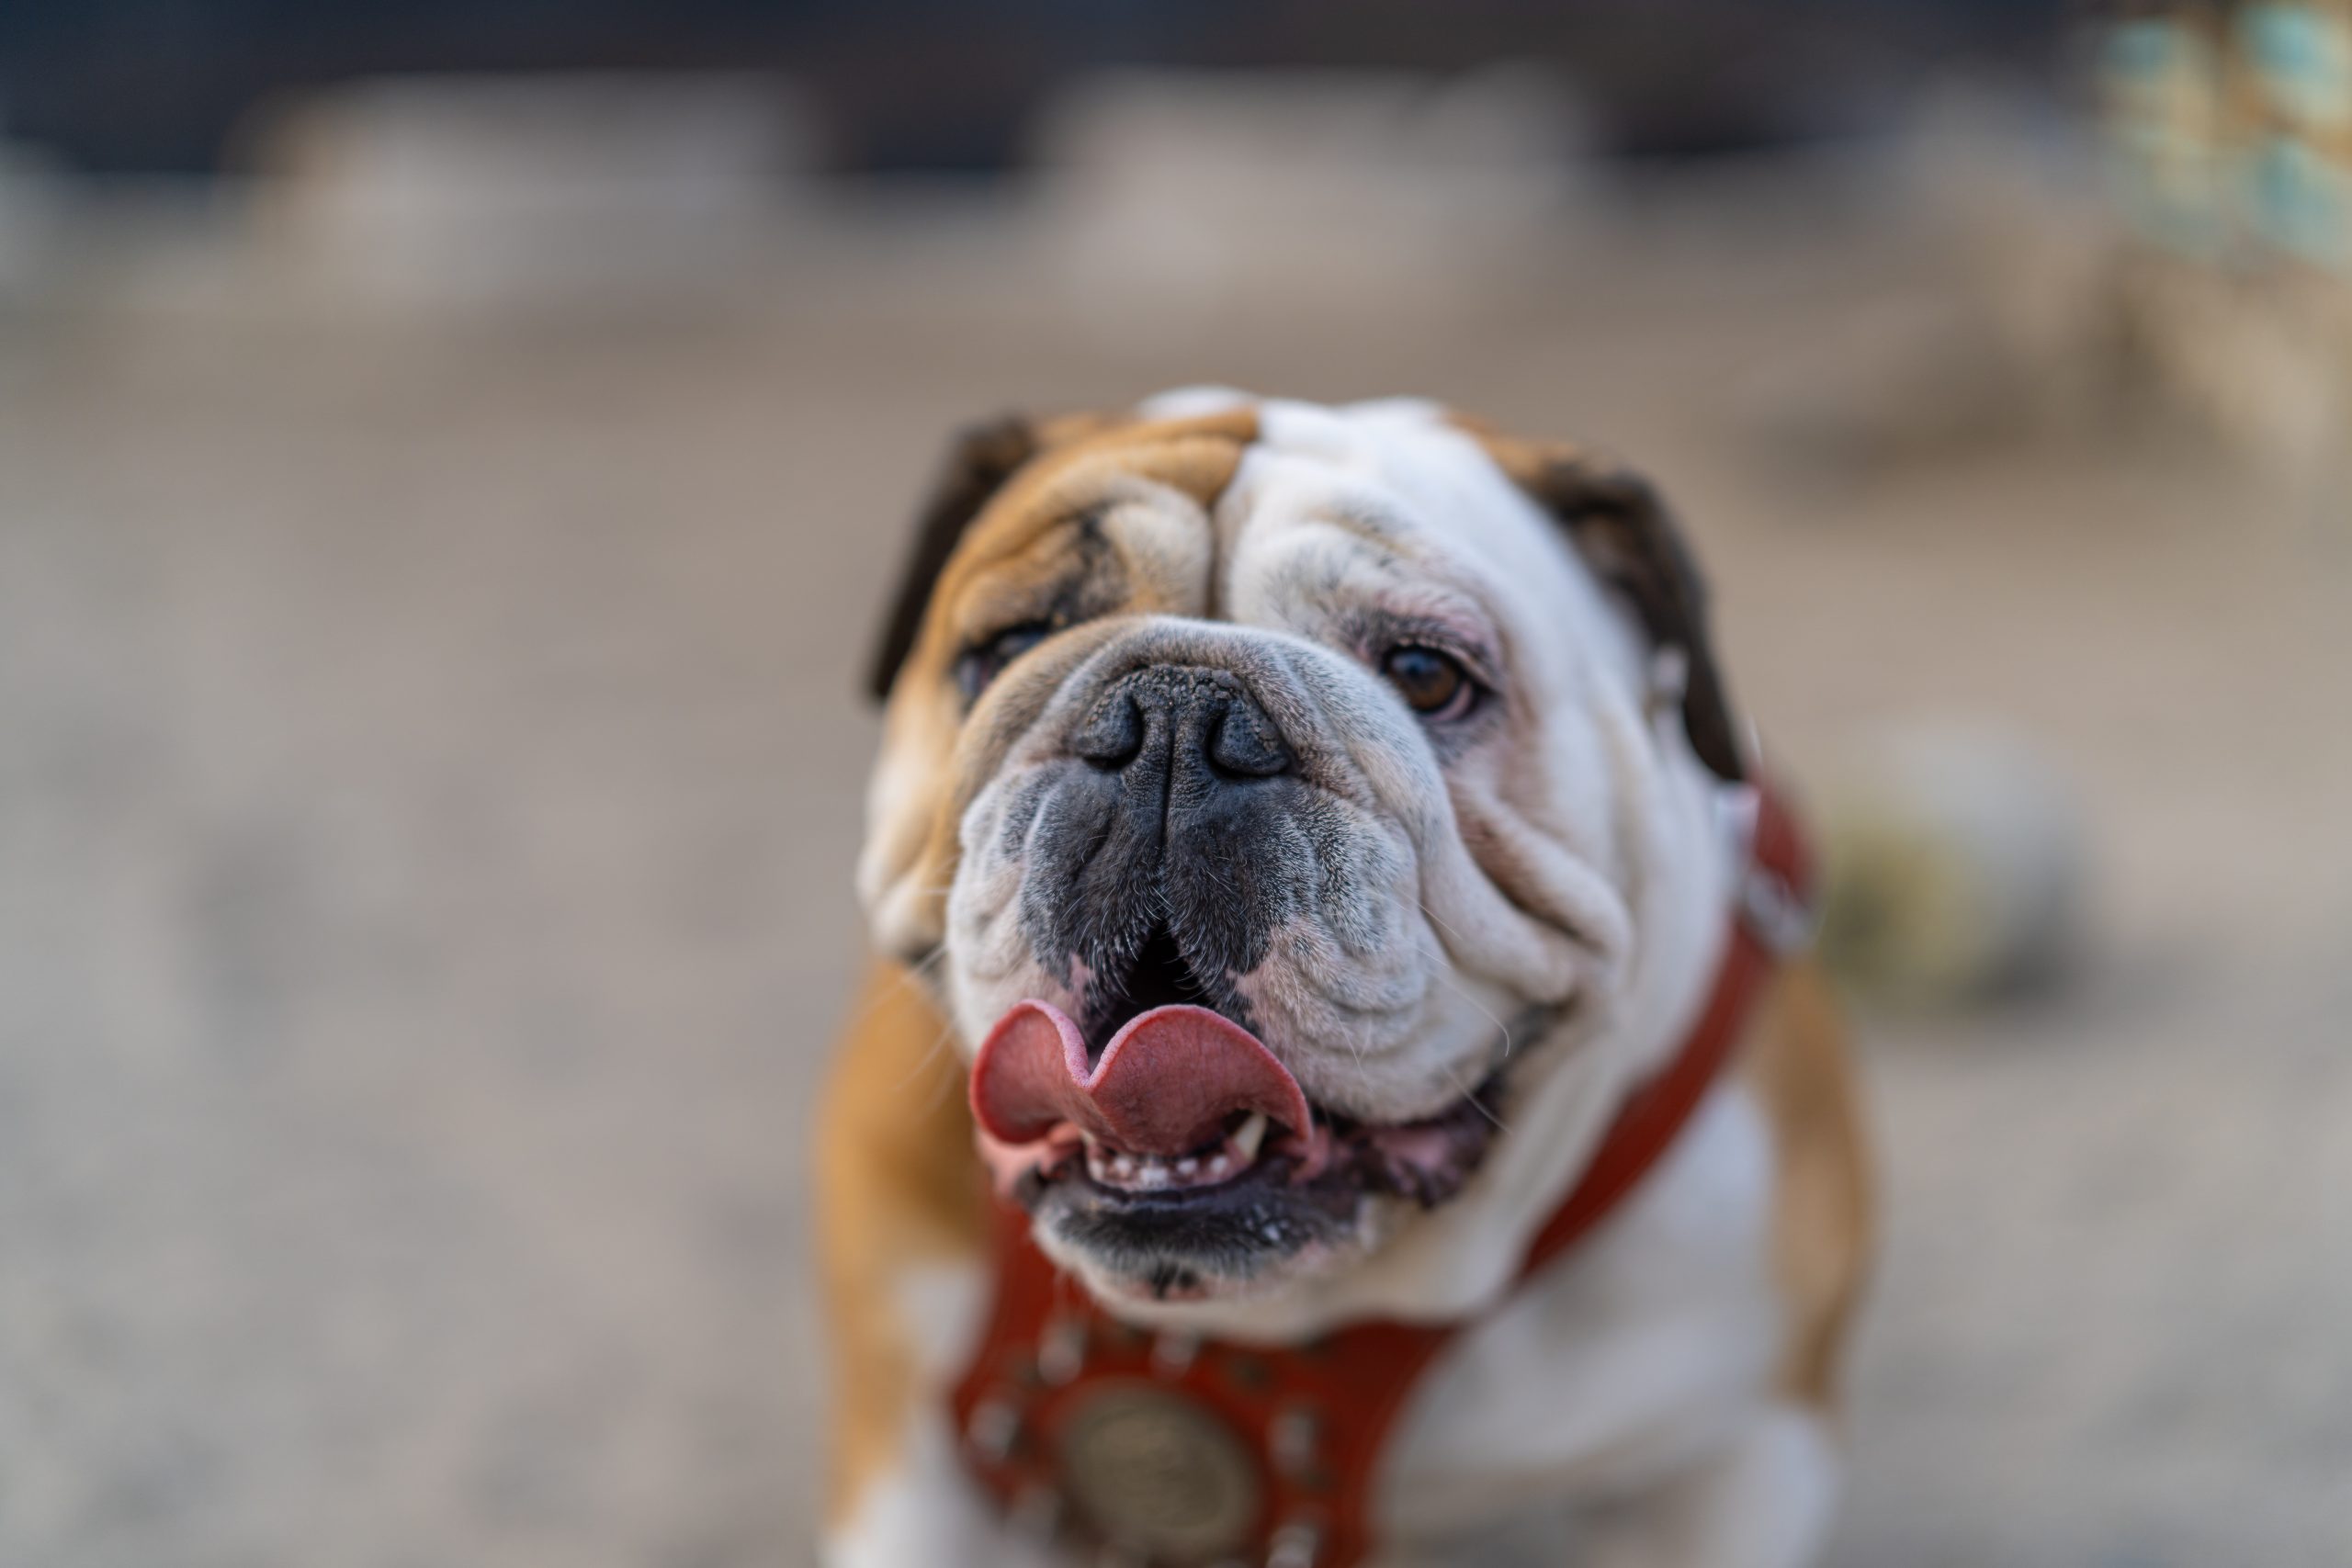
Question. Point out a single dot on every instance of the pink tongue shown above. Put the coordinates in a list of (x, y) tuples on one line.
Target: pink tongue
[(1165, 1085)]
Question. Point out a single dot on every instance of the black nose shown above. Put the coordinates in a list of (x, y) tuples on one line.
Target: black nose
[(1168, 849), (1192, 729)]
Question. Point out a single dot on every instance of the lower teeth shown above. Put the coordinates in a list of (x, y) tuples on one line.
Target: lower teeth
[(1115, 1167)]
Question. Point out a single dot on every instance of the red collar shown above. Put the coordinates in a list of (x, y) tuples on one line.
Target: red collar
[(1182, 1451)]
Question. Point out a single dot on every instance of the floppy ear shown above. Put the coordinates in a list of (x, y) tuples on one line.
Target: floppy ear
[(1625, 533), (982, 458)]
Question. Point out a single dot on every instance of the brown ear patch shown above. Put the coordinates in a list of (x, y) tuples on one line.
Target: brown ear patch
[(977, 465), (1625, 532), (1195, 454)]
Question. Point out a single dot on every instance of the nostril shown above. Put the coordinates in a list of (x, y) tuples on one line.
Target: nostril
[(1244, 744), (1112, 733)]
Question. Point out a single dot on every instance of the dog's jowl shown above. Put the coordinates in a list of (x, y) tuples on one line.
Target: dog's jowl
[(1344, 1078)]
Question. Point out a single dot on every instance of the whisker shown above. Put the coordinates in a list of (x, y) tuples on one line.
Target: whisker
[(923, 1065), (907, 974), (1476, 1103), (1443, 979), (946, 1084), (1431, 915)]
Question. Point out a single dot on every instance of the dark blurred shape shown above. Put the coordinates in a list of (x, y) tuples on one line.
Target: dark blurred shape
[(149, 85)]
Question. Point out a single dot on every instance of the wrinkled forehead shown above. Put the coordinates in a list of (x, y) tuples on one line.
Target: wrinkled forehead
[(1253, 510), (1399, 491)]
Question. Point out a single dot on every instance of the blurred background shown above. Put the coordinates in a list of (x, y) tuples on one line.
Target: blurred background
[(451, 457)]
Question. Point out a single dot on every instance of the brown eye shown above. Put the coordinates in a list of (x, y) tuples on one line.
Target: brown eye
[(1434, 684), (984, 661)]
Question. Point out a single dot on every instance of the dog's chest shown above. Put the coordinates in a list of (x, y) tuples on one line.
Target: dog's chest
[(1616, 1362), (1608, 1365)]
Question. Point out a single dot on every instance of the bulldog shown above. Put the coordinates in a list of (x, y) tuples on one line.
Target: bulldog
[(1342, 1083)]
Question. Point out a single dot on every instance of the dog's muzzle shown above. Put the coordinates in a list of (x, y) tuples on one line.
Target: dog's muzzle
[(1158, 868)]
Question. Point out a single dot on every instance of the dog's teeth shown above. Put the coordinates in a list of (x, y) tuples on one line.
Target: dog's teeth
[(1249, 1136), (1115, 1167)]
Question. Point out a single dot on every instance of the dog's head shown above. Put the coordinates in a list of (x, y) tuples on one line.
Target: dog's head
[(1262, 781)]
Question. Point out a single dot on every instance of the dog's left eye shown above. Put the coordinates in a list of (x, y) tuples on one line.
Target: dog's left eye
[(1433, 684), (984, 661)]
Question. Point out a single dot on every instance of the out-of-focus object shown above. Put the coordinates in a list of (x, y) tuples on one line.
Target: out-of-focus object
[(2227, 131), (30, 218), (2195, 275), (1956, 867), (456, 189), (2227, 134), (133, 86), (1197, 188), (2010, 337)]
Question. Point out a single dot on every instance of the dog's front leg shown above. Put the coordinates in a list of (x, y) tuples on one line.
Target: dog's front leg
[(1761, 1499), (902, 1224)]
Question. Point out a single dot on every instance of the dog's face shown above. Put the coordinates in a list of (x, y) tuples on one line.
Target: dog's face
[(1254, 782)]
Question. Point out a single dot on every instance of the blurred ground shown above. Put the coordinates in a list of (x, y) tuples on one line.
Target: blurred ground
[(430, 787)]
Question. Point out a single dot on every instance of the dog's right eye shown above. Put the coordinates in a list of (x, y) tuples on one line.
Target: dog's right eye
[(984, 661), (1432, 682)]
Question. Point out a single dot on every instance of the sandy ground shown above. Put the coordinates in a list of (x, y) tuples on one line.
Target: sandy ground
[(428, 795)]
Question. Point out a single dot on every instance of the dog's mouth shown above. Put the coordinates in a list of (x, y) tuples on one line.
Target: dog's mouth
[(1159, 976), (1178, 1103), (1427, 1160), (1162, 1140)]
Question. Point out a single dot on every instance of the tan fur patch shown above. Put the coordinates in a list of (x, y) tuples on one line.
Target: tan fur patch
[(1801, 1069), (1196, 456), (896, 1186)]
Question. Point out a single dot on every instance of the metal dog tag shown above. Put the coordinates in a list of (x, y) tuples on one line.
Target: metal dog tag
[(1160, 1475)]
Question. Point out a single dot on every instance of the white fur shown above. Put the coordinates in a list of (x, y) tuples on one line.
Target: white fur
[(1631, 1383), (1655, 1342)]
